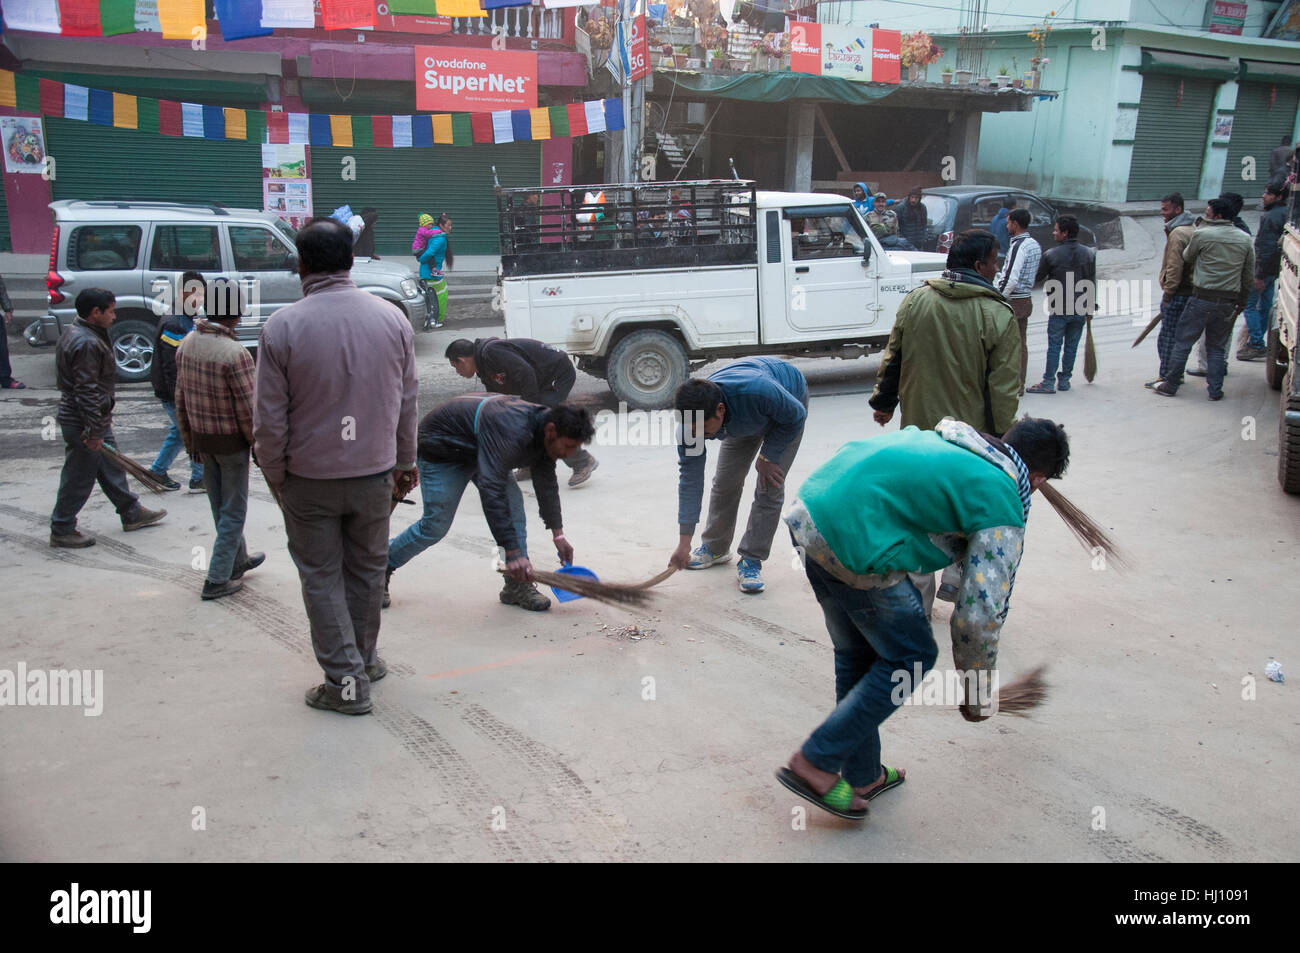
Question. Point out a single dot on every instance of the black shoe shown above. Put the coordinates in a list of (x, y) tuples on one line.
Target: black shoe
[(1165, 389), (74, 540), (167, 482), (252, 562), (377, 671), (388, 574), (329, 699), (142, 518), (215, 590), (1218, 396), (196, 486)]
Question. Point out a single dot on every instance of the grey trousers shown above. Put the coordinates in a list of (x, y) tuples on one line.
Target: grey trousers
[(82, 469), (1214, 319), (225, 477), (338, 538), (735, 458), (555, 395)]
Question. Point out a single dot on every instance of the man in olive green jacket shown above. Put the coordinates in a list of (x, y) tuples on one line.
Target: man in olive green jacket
[(955, 347)]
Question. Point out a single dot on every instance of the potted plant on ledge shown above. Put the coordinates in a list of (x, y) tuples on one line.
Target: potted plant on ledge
[(947, 75), (1003, 78)]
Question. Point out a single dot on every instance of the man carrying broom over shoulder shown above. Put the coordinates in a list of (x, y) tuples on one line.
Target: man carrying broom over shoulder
[(911, 501), (482, 439)]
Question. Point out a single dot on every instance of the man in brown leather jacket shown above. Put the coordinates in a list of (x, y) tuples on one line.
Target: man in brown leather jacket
[(87, 373)]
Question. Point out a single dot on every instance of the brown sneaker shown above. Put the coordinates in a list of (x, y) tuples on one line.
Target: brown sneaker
[(524, 595), (141, 518), (582, 475), (328, 698), (74, 540)]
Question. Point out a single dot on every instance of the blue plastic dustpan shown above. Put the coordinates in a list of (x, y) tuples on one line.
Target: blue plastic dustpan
[(563, 595)]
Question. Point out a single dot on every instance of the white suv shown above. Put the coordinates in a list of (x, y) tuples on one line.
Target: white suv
[(139, 250)]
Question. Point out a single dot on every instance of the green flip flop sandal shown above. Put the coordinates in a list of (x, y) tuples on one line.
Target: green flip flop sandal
[(892, 780), (835, 801)]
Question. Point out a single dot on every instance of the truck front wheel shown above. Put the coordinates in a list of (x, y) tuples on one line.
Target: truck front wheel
[(1275, 361), (645, 368)]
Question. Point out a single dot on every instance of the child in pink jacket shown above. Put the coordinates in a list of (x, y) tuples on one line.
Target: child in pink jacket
[(422, 235)]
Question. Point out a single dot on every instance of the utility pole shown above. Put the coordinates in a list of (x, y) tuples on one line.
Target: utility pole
[(630, 151)]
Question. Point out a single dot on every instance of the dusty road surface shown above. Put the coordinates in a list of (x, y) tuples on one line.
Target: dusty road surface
[(589, 733)]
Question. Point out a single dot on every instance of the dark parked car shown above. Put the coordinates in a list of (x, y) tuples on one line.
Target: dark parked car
[(955, 208)]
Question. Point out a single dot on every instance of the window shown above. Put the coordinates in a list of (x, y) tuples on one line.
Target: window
[(1039, 214), (984, 210), (186, 248), (834, 235), (258, 249), (104, 247)]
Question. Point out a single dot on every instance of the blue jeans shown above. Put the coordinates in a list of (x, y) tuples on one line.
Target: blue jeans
[(875, 632), (172, 446), (226, 479), (1062, 331), (441, 486), (1258, 306)]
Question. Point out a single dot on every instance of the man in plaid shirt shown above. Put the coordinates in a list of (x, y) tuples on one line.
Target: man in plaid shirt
[(214, 408)]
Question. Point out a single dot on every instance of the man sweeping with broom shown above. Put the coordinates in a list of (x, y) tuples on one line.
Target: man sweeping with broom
[(911, 501)]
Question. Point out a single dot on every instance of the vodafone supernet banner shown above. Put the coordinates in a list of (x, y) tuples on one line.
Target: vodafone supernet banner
[(860, 54), (451, 79)]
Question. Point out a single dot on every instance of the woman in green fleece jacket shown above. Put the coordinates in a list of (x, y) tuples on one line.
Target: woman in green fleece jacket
[(908, 502)]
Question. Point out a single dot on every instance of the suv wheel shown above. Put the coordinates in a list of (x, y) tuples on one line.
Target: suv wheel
[(132, 343), (645, 368), (1288, 436), (1275, 361)]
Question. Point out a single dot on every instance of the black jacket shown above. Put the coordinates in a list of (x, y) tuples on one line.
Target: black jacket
[(913, 223), (494, 433), (162, 373), (1268, 243), (1071, 269), (87, 377), (523, 367), (364, 246)]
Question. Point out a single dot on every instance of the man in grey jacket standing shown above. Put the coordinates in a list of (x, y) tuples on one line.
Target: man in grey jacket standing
[(1223, 271), (334, 423)]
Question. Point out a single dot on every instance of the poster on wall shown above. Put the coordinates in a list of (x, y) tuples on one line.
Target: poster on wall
[(286, 190), (1222, 128), (1285, 24), (455, 79), (859, 54), (24, 144)]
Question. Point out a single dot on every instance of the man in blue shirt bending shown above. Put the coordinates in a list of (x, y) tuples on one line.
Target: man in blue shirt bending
[(757, 406)]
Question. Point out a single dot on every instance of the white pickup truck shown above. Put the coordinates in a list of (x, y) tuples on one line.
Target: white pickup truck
[(644, 283)]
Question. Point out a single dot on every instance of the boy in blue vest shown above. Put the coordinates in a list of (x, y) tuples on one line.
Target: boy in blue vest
[(911, 501)]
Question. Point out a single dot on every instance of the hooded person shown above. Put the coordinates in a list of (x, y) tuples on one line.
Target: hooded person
[(861, 199)]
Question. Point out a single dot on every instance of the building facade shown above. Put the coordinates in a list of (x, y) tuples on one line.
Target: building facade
[(1152, 97)]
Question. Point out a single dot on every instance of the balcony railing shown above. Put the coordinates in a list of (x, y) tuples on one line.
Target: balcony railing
[(529, 23)]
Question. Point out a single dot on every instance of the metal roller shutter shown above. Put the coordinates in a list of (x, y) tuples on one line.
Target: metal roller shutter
[(1171, 135), (1265, 113), (101, 162), (402, 183)]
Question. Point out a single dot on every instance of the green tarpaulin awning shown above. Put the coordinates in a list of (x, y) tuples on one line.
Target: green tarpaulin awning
[(1257, 71), (1187, 64), (774, 87)]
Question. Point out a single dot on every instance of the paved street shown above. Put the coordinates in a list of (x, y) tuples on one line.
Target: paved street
[(502, 735)]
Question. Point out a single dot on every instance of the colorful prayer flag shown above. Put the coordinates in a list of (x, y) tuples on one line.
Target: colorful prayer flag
[(577, 119), (521, 125), (442, 129), (401, 132), (460, 8), (125, 111), (299, 130), (51, 98), (595, 112), (288, 14), (214, 122), (146, 114), (39, 16), (347, 14), (277, 127), (7, 94), (180, 18), (540, 119), (116, 17), (76, 101), (191, 119), (422, 130), (28, 93), (559, 122), (502, 128), (481, 124), (462, 130), (240, 19), (381, 129), (341, 130), (236, 123), (318, 129), (256, 121), (169, 118), (79, 17)]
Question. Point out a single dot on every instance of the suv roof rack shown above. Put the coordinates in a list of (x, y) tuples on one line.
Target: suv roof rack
[(216, 208)]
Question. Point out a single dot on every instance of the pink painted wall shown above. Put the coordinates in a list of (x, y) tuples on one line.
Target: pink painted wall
[(27, 196)]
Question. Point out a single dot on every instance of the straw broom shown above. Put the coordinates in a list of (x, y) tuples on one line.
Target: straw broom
[(1089, 355), (1084, 528), (631, 595), (1024, 694), (126, 464)]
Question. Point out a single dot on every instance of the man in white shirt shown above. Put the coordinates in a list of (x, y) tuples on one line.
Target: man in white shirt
[(1015, 281)]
